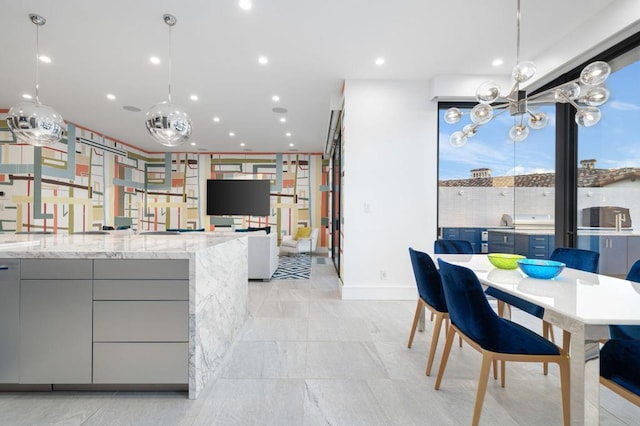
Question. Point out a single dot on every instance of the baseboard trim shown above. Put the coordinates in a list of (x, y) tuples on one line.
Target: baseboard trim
[(370, 292)]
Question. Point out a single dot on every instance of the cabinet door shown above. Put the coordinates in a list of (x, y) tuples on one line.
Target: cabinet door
[(616, 256), (55, 331), (633, 250), (9, 319), (501, 242)]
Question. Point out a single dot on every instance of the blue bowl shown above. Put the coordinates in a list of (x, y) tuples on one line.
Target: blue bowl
[(541, 269)]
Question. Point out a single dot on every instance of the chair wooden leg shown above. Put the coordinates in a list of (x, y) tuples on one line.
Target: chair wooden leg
[(445, 355), (432, 315), (565, 386), (501, 308), (566, 341), (434, 341), (482, 387), (495, 369), (416, 318), (503, 372), (545, 333)]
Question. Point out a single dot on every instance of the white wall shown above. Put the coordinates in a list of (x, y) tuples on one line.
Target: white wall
[(390, 191)]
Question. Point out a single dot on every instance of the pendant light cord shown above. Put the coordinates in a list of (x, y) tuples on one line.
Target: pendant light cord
[(37, 60), (518, 34), (170, 62)]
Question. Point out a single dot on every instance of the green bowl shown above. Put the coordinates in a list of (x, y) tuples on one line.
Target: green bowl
[(505, 260)]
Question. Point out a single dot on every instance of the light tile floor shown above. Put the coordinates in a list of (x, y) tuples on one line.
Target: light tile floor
[(305, 357)]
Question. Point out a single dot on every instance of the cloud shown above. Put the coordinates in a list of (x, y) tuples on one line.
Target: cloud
[(623, 106)]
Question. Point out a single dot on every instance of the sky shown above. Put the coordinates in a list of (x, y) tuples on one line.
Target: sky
[(614, 142)]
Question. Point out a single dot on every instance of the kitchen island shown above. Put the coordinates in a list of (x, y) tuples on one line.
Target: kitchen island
[(119, 311)]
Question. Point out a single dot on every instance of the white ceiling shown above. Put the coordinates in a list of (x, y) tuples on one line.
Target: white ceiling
[(101, 47)]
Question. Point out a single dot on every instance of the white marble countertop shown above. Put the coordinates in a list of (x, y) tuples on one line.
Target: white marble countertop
[(130, 246)]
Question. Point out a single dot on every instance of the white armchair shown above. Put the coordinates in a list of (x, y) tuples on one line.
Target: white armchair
[(290, 245)]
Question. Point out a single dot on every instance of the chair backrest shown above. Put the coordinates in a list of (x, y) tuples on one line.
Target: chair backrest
[(427, 280), (628, 332), (314, 238), (619, 360), (452, 247), (634, 272), (468, 307), (584, 260)]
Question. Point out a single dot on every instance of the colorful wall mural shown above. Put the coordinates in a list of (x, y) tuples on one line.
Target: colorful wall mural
[(88, 181)]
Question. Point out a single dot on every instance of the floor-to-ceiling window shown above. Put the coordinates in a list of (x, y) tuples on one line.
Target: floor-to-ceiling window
[(608, 178), (494, 192)]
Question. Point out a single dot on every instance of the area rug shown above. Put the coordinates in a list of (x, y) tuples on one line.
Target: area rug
[(293, 268)]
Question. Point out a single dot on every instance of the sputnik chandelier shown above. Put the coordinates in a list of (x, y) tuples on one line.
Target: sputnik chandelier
[(167, 122), (585, 94), (33, 122)]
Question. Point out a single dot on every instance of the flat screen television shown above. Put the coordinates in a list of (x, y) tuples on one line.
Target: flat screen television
[(238, 197)]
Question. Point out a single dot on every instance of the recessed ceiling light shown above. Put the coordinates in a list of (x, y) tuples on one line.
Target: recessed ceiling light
[(291, 144), (45, 59), (379, 61), (288, 134), (232, 134), (275, 98), (245, 4), (497, 62), (193, 97), (154, 60), (131, 108), (193, 144), (242, 144), (111, 96), (283, 120), (263, 60), (216, 119), (27, 96)]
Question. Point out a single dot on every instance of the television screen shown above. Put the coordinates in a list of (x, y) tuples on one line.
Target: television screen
[(238, 197)]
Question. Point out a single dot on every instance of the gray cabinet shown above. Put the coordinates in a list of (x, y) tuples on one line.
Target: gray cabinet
[(502, 242), (55, 321), (140, 321), (614, 252), (9, 320), (613, 255)]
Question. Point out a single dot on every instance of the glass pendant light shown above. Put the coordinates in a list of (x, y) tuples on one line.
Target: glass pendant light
[(33, 122), (167, 122)]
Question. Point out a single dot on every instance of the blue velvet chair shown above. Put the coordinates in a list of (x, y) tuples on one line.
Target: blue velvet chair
[(430, 296), (620, 368), (584, 260), (452, 247), (496, 338), (628, 331)]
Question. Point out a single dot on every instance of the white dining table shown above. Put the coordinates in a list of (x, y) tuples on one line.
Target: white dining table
[(581, 303)]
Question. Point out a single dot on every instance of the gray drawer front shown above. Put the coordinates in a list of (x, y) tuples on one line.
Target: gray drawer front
[(140, 321), (52, 269), (140, 363), (116, 269), (140, 290)]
